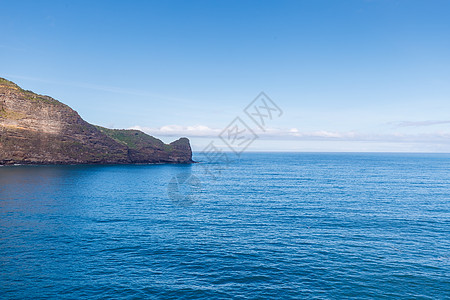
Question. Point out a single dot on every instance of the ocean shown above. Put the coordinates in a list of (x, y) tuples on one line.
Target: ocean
[(265, 226)]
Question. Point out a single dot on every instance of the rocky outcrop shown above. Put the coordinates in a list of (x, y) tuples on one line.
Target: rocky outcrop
[(37, 129)]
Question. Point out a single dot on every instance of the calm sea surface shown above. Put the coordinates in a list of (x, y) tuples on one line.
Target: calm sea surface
[(285, 226)]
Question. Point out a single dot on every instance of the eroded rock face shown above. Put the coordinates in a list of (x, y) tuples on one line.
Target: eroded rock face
[(36, 129)]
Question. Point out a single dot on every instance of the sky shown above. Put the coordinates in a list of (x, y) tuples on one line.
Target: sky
[(351, 76)]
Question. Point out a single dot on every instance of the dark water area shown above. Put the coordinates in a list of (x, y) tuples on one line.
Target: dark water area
[(269, 226)]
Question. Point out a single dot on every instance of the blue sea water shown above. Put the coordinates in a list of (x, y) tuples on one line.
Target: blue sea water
[(268, 226)]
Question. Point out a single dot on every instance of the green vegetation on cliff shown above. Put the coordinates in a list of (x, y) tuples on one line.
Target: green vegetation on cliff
[(134, 139)]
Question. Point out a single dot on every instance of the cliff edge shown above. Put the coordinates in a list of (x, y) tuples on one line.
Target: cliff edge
[(37, 129)]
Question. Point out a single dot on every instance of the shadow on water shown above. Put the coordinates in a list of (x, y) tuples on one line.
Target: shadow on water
[(22, 186)]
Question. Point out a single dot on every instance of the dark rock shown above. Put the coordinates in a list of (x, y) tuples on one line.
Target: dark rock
[(37, 129)]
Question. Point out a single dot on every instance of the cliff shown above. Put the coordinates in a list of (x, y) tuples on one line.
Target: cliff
[(37, 129)]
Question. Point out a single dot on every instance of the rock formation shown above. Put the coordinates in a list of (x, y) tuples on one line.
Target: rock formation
[(37, 129)]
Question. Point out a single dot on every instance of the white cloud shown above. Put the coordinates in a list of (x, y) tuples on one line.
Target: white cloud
[(202, 131), (420, 123), (177, 130)]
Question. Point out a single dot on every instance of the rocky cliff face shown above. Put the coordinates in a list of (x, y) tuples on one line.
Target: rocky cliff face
[(36, 129)]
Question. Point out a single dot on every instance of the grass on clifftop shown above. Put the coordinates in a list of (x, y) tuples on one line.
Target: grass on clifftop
[(7, 83), (134, 139), (29, 95)]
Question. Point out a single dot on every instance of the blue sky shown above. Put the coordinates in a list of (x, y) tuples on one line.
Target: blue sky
[(348, 75)]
